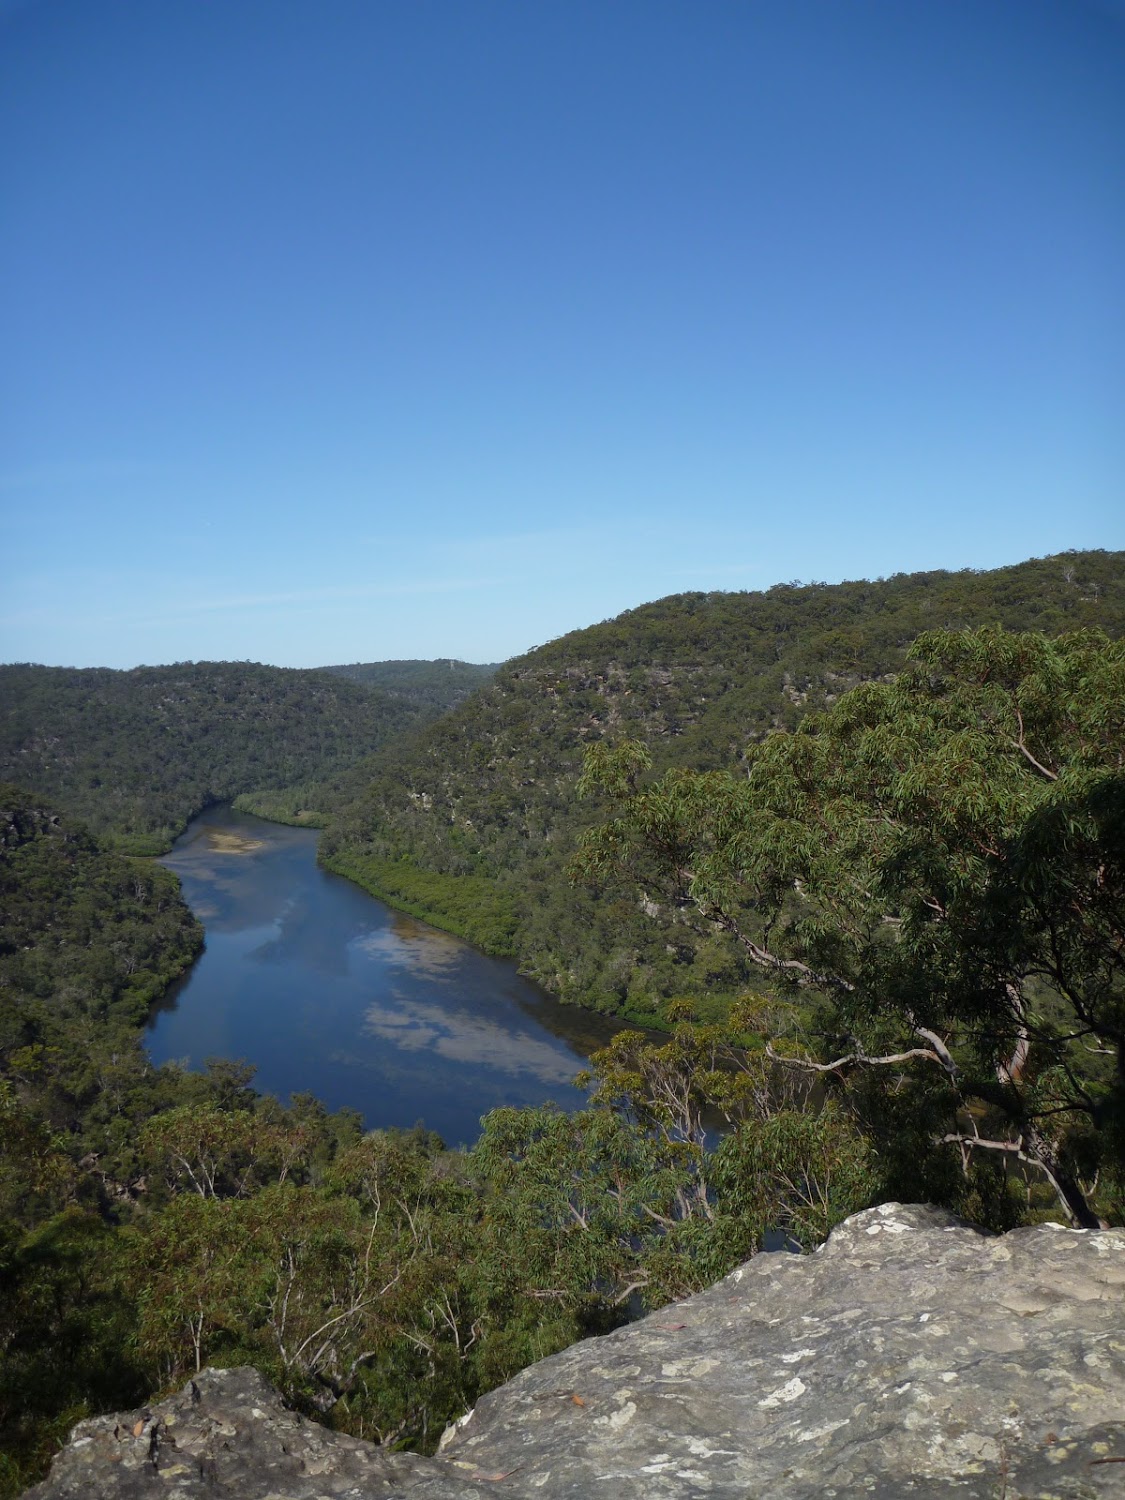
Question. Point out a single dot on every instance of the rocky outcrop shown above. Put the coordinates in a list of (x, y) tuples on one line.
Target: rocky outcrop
[(910, 1356), (227, 1433)]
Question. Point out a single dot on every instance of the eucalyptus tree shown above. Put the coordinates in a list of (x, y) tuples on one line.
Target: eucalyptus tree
[(940, 859)]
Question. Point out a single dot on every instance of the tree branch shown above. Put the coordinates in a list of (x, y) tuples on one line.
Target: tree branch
[(936, 1054), (1026, 753)]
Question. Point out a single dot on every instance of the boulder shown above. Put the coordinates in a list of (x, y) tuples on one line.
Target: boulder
[(227, 1433), (909, 1356)]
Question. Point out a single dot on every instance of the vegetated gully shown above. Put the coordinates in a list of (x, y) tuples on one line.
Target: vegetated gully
[(326, 990)]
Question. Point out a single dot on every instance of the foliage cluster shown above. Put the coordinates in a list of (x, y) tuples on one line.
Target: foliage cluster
[(488, 791), (941, 861), (88, 940), (469, 905)]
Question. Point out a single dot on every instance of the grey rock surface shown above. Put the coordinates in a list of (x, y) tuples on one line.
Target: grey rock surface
[(910, 1356), (228, 1433)]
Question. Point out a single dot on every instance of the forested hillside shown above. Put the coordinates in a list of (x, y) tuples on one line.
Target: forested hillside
[(432, 685), (136, 754), (88, 940), (471, 822)]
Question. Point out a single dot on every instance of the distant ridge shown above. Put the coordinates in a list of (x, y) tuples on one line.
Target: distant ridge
[(439, 684), (136, 753)]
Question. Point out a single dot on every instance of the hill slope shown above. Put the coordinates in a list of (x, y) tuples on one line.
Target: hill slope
[(137, 753), (435, 686), (470, 821)]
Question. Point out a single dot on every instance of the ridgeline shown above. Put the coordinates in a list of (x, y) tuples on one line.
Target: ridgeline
[(436, 686)]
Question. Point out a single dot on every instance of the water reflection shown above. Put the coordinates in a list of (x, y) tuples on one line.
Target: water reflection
[(327, 990), (301, 935), (466, 1038), (411, 945), (231, 876)]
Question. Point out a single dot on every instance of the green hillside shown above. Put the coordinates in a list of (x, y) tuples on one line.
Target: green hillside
[(435, 686), (137, 753), (471, 821)]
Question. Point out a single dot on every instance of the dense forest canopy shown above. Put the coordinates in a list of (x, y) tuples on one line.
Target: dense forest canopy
[(438, 685), (940, 861), (470, 820), (137, 753), (88, 940)]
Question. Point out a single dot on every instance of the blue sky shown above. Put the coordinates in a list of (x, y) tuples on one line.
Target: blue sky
[(387, 328)]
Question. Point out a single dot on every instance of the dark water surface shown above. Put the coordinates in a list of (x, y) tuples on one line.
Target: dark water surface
[(327, 990)]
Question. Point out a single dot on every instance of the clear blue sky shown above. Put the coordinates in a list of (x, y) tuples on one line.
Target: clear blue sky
[(380, 328)]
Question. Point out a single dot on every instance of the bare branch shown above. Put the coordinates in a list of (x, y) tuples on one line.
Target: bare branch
[(943, 1054), (859, 1057), (1077, 1210), (1026, 753), (767, 960)]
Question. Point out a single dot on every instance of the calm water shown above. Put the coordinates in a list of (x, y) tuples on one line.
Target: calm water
[(327, 990)]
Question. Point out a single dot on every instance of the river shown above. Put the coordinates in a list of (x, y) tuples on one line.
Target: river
[(328, 991)]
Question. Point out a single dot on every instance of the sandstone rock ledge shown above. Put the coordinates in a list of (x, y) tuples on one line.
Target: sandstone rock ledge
[(910, 1356)]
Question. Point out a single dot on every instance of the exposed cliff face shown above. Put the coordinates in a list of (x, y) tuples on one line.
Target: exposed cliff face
[(910, 1356)]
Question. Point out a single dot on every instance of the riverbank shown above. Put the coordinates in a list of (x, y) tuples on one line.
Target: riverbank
[(468, 906), (289, 806)]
